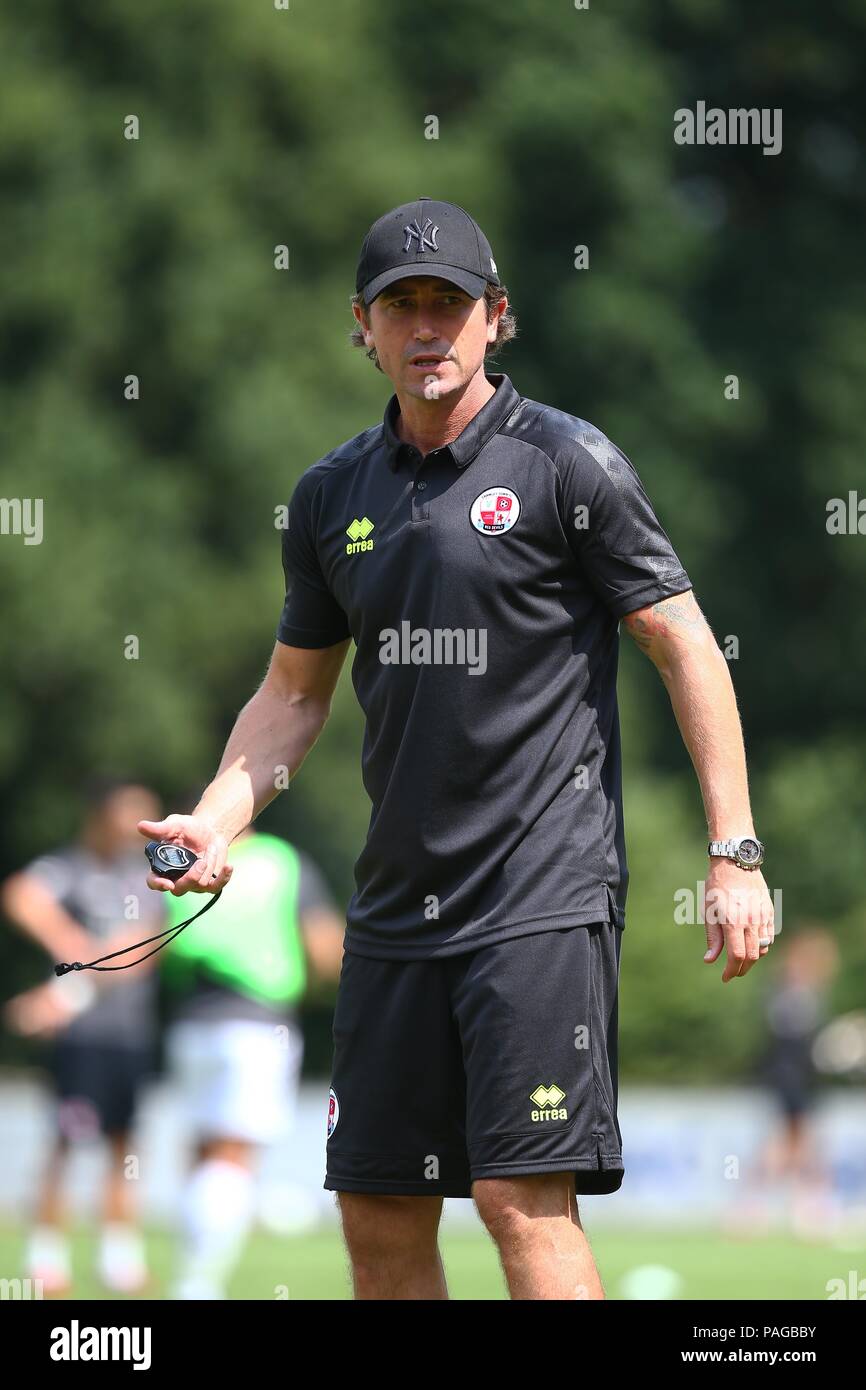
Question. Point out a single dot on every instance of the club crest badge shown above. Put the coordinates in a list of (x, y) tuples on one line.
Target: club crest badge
[(333, 1111), (495, 511)]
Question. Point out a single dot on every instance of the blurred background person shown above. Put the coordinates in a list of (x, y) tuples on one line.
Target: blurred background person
[(233, 1044), (79, 902), (791, 1179)]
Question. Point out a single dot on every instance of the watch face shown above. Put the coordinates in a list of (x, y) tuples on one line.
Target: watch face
[(172, 856), (749, 851)]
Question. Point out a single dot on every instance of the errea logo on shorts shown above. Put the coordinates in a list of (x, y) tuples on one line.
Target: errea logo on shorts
[(548, 1099), (358, 533), (495, 511)]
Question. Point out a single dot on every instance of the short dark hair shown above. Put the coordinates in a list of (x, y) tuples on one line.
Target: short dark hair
[(99, 789), (506, 329)]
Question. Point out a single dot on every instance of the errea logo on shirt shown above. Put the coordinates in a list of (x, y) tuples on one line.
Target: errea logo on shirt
[(359, 531)]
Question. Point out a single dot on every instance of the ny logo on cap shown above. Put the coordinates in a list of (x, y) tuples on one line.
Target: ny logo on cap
[(426, 238)]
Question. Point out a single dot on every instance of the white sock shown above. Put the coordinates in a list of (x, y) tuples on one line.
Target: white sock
[(218, 1207), (121, 1256), (47, 1254)]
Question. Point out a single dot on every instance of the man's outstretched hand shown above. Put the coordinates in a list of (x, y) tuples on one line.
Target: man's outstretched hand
[(738, 914), (38, 1012), (209, 873)]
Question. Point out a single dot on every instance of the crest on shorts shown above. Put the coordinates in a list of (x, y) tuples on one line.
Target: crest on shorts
[(333, 1111)]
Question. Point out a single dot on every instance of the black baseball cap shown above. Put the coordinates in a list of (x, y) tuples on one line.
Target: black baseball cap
[(425, 237)]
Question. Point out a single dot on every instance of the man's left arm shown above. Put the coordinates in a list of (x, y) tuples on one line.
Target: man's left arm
[(676, 637)]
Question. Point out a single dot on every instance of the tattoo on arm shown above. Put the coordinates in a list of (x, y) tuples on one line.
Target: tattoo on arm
[(639, 630), (654, 627)]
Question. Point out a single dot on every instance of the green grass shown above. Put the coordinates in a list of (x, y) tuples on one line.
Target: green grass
[(313, 1266)]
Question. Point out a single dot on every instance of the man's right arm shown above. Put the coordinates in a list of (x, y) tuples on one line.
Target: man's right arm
[(32, 907), (275, 730)]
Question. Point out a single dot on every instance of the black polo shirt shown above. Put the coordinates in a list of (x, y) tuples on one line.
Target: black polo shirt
[(483, 585)]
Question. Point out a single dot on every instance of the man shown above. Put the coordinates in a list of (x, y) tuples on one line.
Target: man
[(82, 901), (481, 550), (791, 1168), (234, 1043)]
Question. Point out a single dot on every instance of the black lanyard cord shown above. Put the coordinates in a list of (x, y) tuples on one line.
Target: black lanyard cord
[(170, 932)]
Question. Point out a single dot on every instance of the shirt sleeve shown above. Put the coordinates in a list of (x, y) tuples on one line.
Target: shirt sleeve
[(54, 872), (613, 531), (314, 894), (311, 616)]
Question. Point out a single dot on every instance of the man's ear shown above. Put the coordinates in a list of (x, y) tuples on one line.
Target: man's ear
[(364, 326), (493, 321)]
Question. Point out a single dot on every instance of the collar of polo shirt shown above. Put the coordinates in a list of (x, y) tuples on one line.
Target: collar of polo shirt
[(469, 443)]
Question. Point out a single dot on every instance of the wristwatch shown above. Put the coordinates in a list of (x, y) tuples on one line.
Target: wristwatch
[(746, 851)]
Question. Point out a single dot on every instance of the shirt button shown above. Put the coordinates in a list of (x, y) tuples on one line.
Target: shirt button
[(421, 486)]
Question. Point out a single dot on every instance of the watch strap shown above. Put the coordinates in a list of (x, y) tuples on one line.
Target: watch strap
[(729, 849)]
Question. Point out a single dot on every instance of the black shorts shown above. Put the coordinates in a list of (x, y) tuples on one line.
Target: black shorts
[(97, 1086), (492, 1064), (786, 1067)]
